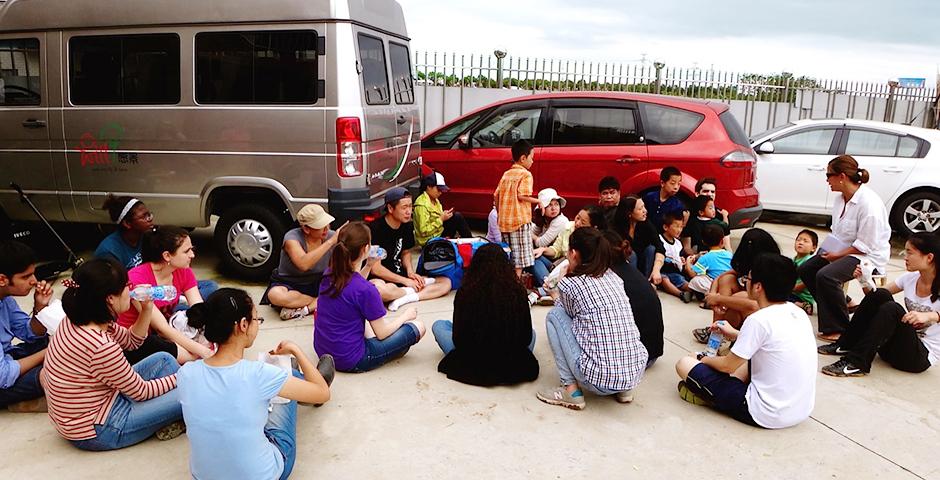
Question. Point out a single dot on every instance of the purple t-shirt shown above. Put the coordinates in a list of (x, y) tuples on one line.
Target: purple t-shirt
[(340, 325)]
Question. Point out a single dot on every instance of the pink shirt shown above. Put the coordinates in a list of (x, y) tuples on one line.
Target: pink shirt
[(183, 280)]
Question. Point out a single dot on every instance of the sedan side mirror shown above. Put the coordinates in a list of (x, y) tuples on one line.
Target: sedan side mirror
[(766, 147), (463, 141)]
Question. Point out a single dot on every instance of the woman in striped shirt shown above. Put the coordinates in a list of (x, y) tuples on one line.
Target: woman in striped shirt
[(96, 399)]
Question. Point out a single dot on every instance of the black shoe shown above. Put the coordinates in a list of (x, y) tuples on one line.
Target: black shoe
[(686, 296), (843, 368), (327, 367), (831, 349)]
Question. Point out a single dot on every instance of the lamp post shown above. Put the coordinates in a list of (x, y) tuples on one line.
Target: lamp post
[(892, 102), (659, 75), (500, 55)]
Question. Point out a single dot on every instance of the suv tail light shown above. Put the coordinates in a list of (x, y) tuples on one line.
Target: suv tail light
[(348, 147), (738, 159)]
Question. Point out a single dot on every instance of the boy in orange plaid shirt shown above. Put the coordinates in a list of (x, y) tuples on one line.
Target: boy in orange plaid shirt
[(513, 199)]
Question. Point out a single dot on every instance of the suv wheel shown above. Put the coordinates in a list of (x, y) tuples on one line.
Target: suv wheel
[(248, 238), (917, 212)]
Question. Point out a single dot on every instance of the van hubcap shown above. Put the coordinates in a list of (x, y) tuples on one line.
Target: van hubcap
[(922, 215), (249, 242)]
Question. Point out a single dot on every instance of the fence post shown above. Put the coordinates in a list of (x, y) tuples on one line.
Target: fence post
[(891, 105), (659, 75), (500, 55)]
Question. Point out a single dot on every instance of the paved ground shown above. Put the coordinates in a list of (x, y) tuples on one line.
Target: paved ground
[(405, 420)]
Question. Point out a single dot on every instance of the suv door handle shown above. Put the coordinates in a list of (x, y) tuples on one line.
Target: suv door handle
[(34, 123), (627, 159), (401, 120)]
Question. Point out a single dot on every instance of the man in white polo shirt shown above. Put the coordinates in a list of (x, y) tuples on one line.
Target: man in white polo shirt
[(769, 377)]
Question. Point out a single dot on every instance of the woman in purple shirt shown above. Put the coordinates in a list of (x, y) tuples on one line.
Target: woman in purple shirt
[(347, 301)]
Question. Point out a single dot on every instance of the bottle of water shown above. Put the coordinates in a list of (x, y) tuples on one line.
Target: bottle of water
[(376, 251), (144, 292), (714, 341)]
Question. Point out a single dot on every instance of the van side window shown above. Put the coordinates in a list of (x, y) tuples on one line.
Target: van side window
[(262, 67), (594, 126), (402, 80), (19, 72), (374, 70), (667, 125), (125, 69)]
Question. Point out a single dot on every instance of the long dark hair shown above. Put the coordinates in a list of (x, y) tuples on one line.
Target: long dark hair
[(492, 273), (596, 215), (928, 243), (753, 243), (350, 241), (594, 252), (218, 314), (624, 214), (162, 239), (96, 279), (620, 248)]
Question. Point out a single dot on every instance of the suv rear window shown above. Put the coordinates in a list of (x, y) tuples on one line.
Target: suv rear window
[(125, 69), (667, 125), (594, 126), (735, 132), (374, 70), (19, 72)]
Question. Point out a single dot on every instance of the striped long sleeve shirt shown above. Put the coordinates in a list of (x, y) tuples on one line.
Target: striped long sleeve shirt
[(84, 372)]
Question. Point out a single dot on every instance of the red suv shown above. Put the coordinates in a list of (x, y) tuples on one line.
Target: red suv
[(581, 137)]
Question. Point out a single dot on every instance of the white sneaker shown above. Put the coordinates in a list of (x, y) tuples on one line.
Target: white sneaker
[(533, 298), (294, 313), (625, 396)]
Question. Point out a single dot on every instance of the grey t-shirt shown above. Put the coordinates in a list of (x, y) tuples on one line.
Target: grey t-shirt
[(287, 271)]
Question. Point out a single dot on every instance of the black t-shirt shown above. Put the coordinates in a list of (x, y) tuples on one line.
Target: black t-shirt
[(693, 230), (647, 309), (394, 241)]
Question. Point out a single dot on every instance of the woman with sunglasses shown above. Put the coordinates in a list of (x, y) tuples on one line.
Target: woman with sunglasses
[(860, 231), (235, 430), (97, 400)]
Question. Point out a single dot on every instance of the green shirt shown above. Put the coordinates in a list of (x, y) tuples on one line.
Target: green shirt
[(427, 219), (803, 296)]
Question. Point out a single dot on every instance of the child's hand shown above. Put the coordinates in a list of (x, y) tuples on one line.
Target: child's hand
[(858, 272), (656, 278)]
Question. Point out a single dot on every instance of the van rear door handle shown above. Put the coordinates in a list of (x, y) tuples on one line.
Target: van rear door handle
[(401, 120), (34, 123), (628, 159)]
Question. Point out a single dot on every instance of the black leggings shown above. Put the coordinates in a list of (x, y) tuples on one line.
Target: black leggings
[(876, 327), (153, 344), (456, 227)]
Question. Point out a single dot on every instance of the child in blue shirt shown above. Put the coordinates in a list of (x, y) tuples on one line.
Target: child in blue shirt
[(708, 266), (664, 200), (20, 389)]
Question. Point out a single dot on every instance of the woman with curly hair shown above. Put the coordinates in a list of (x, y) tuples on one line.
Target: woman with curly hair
[(490, 340)]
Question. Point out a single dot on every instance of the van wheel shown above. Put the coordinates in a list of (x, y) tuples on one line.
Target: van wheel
[(917, 212), (248, 239)]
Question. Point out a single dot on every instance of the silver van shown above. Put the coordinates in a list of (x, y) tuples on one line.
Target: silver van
[(242, 109)]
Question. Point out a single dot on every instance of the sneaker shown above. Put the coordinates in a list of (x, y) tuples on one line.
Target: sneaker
[(701, 335), (843, 368), (36, 405), (533, 298), (688, 395), (546, 301), (560, 396), (171, 431), (625, 396), (294, 313), (686, 296), (831, 349)]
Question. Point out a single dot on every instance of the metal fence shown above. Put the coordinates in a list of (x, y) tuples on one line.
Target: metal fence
[(807, 97)]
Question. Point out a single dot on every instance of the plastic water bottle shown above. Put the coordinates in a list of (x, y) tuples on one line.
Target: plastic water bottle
[(714, 341), (376, 251), (144, 292)]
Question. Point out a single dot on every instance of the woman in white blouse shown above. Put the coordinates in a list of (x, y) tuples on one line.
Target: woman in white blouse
[(860, 231)]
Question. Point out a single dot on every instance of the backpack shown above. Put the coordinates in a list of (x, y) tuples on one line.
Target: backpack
[(440, 258)]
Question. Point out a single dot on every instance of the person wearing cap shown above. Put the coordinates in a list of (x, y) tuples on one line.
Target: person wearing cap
[(295, 283), (550, 223), (134, 219), (430, 218), (395, 275)]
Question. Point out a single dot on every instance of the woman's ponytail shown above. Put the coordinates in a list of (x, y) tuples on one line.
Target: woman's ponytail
[(350, 241)]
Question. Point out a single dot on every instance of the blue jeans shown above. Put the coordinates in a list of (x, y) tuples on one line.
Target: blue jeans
[(643, 260), (281, 430), (131, 422), (443, 331), (566, 350), (206, 288), (380, 352), (26, 386), (539, 270)]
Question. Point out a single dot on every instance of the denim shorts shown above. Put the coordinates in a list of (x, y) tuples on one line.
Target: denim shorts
[(380, 352), (726, 392), (677, 279)]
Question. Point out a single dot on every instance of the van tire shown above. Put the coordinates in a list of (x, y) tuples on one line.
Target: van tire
[(248, 238)]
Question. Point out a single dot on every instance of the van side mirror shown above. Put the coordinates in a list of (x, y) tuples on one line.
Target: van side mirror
[(463, 141), (766, 147)]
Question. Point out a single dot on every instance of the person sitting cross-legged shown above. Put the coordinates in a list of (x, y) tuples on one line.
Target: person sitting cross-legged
[(769, 378)]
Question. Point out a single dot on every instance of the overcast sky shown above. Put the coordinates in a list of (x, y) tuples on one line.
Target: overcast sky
[(863, 40)]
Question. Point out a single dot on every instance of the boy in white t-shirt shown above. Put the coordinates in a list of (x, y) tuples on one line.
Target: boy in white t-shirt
[(667, 268), (769, 377), (908, 341)]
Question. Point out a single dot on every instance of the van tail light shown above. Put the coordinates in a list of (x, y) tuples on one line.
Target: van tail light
[(738, 159), (348, 147)]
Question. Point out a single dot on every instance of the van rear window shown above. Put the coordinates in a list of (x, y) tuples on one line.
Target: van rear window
[(19, 72), (374, 70), (125, 69), (260, 67), (401, 74), (735, 132)]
